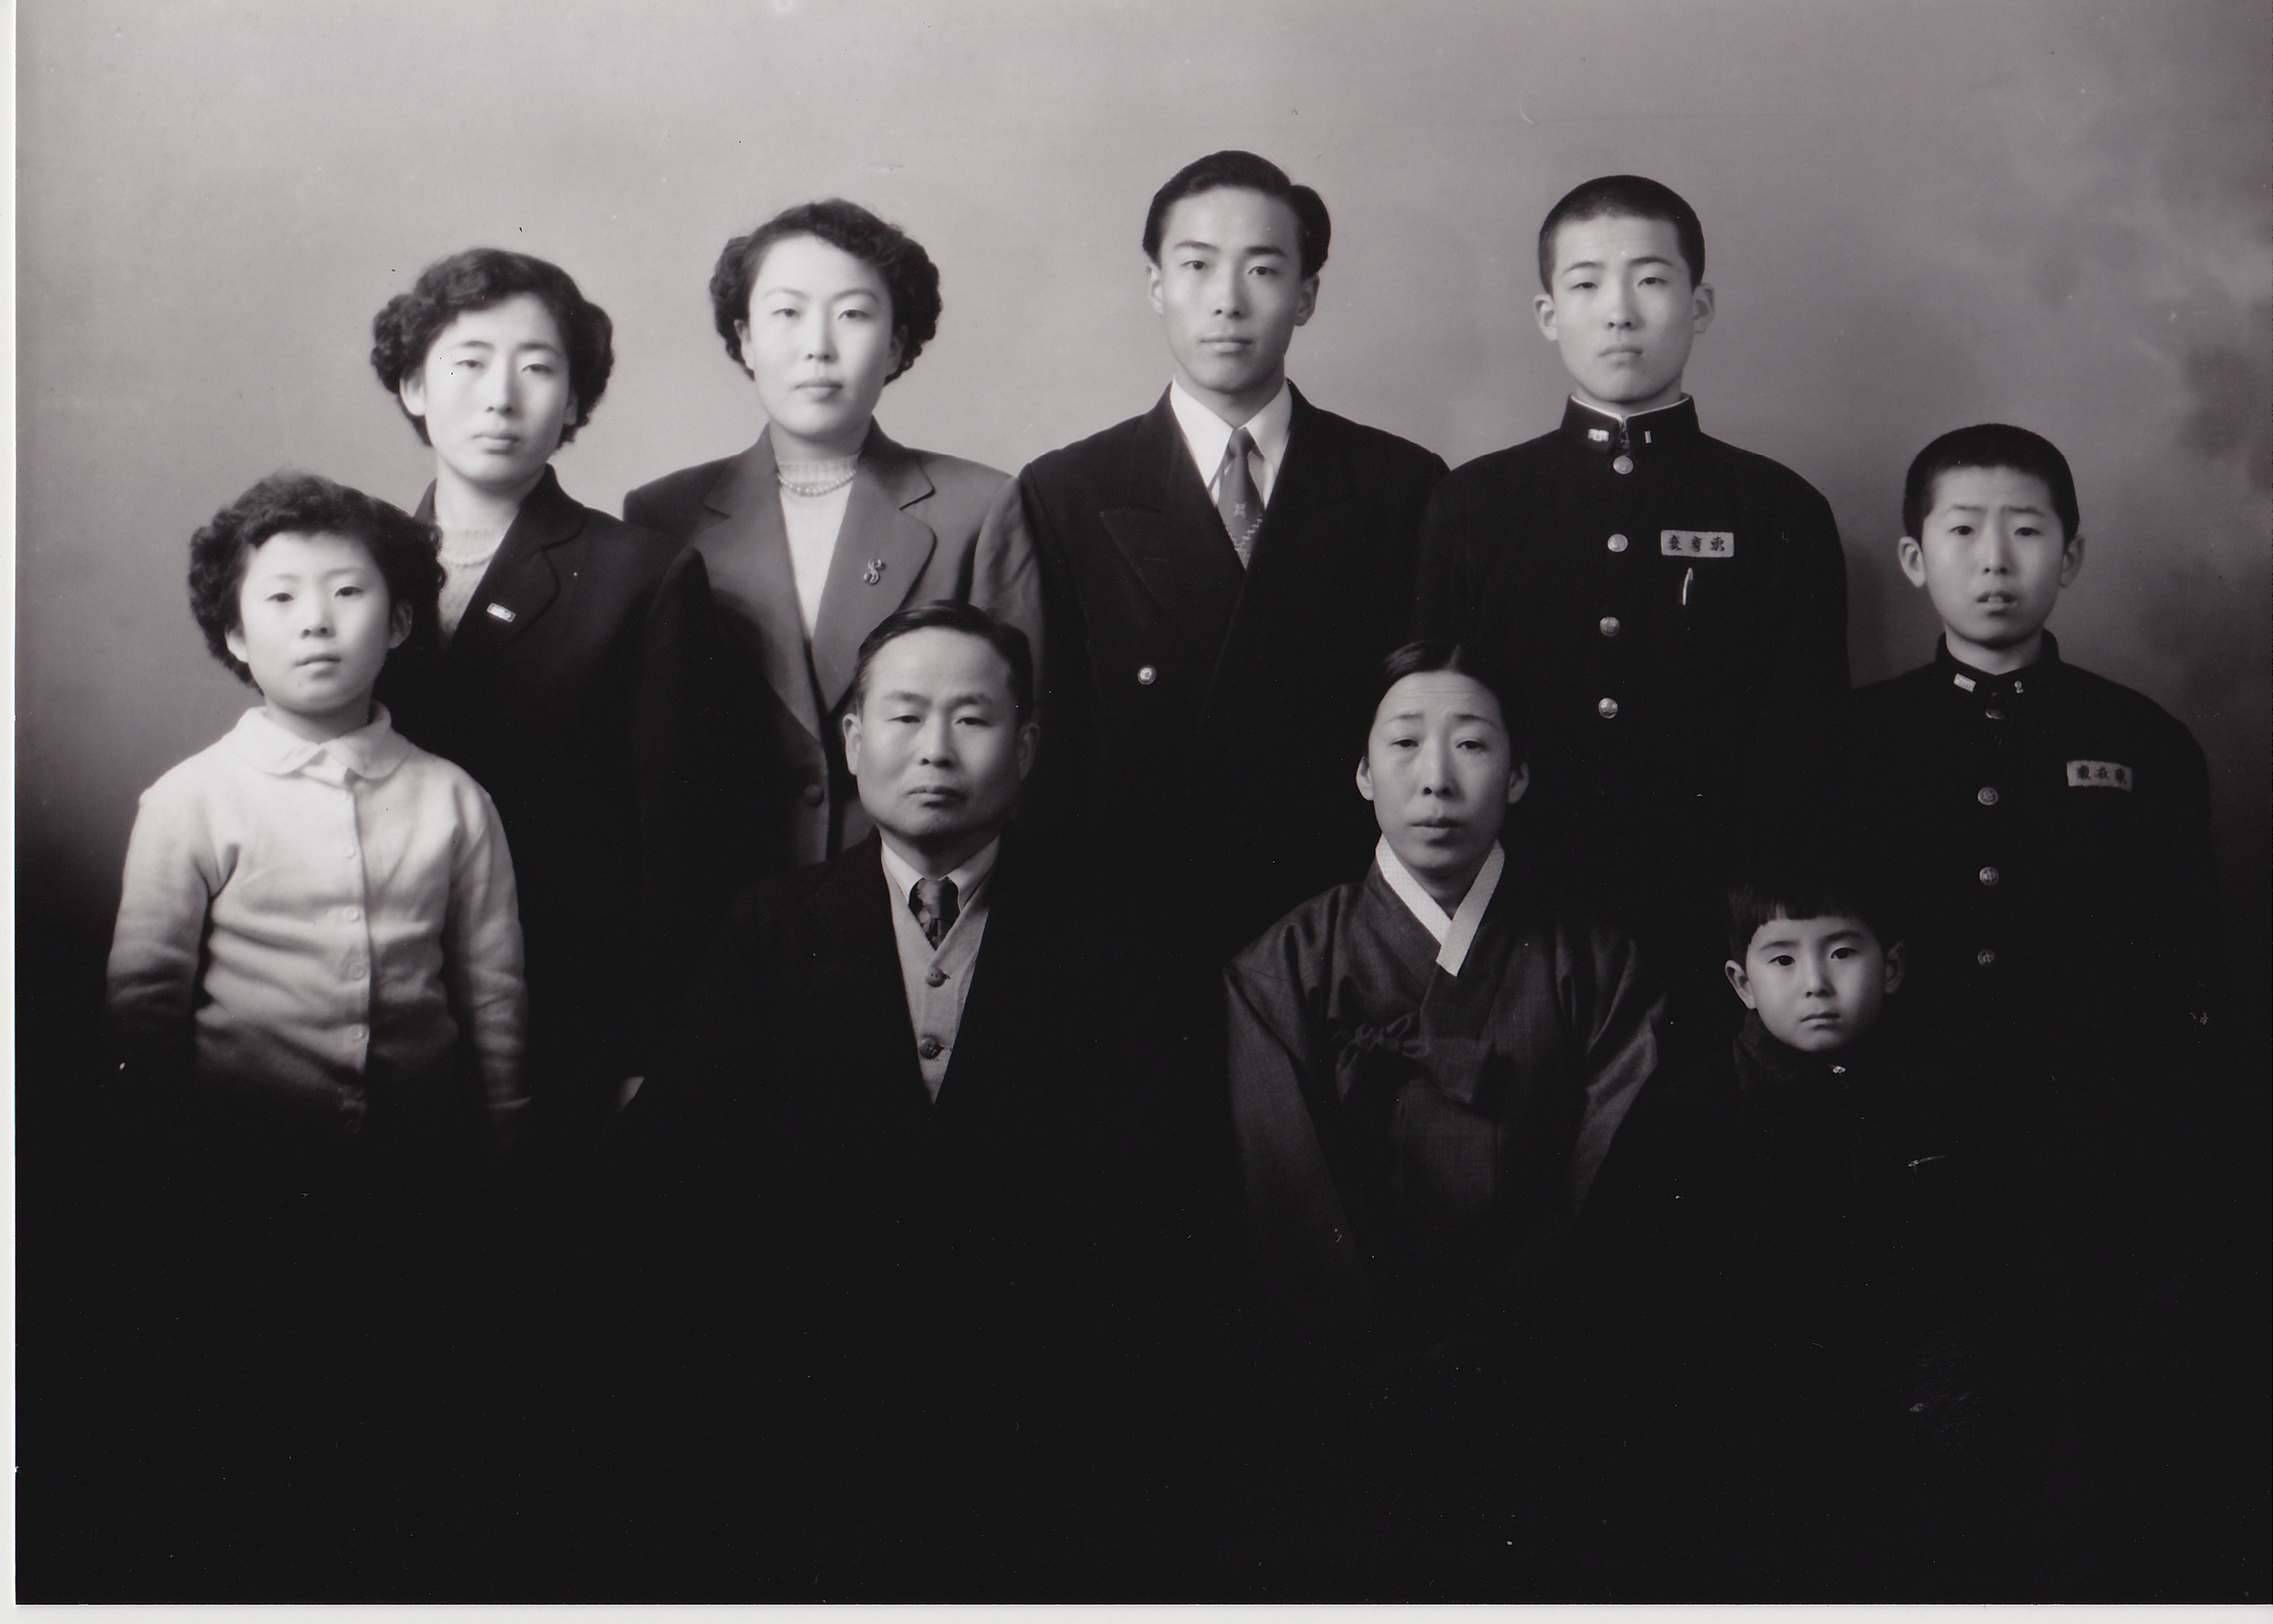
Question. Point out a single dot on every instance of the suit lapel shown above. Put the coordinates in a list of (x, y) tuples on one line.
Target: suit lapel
[(746, 549), (521, 581), (881, 552), (858, 976), (1003, 975), (1171, 537)]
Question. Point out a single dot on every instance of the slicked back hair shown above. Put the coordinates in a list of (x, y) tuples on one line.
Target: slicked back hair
[(909, 277), (1432, 654), (946, 614), (1990, 445), (408, 553), (1635, 197), (1314, 228), (405, 330)]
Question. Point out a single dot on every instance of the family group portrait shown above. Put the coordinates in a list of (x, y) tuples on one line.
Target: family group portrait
[(875, 801)]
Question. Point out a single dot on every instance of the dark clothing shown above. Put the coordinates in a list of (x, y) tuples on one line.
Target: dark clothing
[(936, 1324), (1201, 722), (1675, 610), (1414, 1143), (2048, 832), (1793, 1288), (544, 694)]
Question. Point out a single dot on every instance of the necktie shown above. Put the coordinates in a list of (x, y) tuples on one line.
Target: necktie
[(934, 905), (1237, 499)]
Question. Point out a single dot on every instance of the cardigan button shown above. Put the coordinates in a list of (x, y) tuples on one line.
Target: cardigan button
[(935, 977), (929, 1048)]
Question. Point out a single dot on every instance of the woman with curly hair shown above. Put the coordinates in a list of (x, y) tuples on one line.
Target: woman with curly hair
[(538, 658), (821, 528)]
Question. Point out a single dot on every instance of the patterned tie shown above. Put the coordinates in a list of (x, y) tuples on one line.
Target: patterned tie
[(1237, 499), (934, 905)]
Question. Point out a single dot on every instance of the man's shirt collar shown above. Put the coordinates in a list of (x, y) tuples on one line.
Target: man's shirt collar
[(967, 878), (1208, 434), (371, 751), (1454, 932)]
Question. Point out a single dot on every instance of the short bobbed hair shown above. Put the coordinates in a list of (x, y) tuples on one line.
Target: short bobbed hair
[(1314, 228), (947, 615), (1431, 654), (404, 332), (909, 276), (1990, 445), (1807, 880), (1632, 197), (406, 552)]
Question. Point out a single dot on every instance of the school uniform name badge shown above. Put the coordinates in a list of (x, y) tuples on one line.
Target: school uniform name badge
[(1697, 544), (2098, 775)]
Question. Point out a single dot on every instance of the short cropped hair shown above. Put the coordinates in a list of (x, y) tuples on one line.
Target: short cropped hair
[(1990, 445), (946, 614), (1431, 654), (909, 276), (1635, 197), (1314, 228), (403, 331), (406, 552), (1807, 881)]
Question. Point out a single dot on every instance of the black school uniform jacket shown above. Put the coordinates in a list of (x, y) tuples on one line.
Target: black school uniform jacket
[(1201, 722), (1675, 610), (544, 694), (2049, 833)]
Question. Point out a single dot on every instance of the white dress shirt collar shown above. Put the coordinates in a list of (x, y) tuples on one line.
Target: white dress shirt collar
[(371, 751), (1206, 435), (1454, 932), (967, 878)]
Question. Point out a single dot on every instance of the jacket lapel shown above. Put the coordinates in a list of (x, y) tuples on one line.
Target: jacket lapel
[(857, 978), (1171, 537), (1002, 973), (881, 551), (746, 549), (521, 582)]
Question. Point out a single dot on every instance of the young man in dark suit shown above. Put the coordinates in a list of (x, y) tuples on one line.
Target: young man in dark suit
[(897, 1156), (1220, 577)]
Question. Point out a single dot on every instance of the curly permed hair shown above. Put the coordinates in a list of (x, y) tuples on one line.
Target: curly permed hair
[(909, 276), (408, 553), (405, 330)]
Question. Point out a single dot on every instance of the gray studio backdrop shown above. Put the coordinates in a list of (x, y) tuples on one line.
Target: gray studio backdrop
[(1918, 216)]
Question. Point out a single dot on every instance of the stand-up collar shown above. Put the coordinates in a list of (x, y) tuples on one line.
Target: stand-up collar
[(2039, 672), (1607, 435), (1767, 1069)]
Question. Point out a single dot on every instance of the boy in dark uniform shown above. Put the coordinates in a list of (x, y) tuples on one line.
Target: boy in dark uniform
[(1674, 608), (2052, 831)]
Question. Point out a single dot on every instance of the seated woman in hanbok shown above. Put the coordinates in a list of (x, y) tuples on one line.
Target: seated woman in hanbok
[(1428, 1065)]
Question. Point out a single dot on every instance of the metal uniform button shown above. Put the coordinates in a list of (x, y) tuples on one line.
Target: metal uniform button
[(1986, 957), (929, 1048), (1995, 712), (1838, 1071), (1609, 624), (1622, 464), (812, 795), (1989, 877), (1617, 544), (935, 977), (1607, 709), (1986, 795), (1147, 675)]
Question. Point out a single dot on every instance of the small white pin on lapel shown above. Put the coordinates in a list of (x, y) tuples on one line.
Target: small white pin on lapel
[(499, 611)]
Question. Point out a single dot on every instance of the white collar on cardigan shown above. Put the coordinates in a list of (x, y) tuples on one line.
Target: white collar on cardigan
[(1454, 932)]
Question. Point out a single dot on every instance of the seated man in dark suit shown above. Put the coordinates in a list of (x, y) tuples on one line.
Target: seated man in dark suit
[(898, 1139)]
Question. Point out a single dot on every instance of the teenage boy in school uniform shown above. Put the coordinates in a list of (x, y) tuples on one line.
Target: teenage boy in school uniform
[(1674, 608)]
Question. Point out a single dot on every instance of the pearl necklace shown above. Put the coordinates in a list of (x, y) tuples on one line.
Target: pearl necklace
[(828, 482)]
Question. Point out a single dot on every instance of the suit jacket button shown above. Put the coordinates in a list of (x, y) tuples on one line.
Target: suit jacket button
[(812, 795), (1989, 877), (1607, 708), (1610, 626), (929, 1048), (1986, 795), (1147, 675), (1986, 957)]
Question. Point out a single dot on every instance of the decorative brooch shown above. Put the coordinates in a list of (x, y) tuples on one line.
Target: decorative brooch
[(874, 573)]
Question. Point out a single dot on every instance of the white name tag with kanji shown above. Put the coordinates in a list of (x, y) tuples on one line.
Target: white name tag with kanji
[(2098, 775), (1697, 544)]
